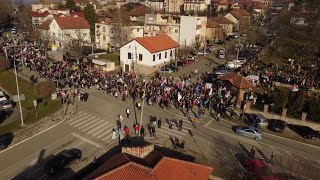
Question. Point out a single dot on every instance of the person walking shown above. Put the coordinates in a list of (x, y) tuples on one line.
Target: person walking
[(170, 123), (128, 113), (153, 131), (159, 123), (180, 125), (272, 158), (142, 131), (252, 152), (114, 133), (136, 128), (120, 117), (195, 121), (126, 131)]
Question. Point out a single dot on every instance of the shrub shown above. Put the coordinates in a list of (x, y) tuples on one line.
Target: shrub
[(46, 88), (280, 98)]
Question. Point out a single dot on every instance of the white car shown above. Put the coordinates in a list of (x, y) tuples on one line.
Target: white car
[(190, 58), (234, 64), (223, 50), (3, 98), (5, 104), (202, 53), (221, 55)]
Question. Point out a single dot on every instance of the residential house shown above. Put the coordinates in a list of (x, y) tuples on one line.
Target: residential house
[(226, 24), (187, 30), (192, 31), (112, 35), (38, 18), (103, 2), (173, 6), (169, 24), (137, 14), (224, 4), (214, 31), (82, 3), (195, 5), (240, 18), (155, 5), (63, 30), (144, 56)]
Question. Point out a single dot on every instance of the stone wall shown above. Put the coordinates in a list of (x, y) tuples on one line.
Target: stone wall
[(301, 122)]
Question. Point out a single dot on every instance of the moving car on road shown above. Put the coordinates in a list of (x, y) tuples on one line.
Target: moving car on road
[(62, 160), (250, 131)]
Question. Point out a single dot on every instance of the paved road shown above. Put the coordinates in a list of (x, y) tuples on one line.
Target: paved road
[(89, 129)]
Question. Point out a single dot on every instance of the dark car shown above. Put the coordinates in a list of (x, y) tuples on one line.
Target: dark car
[(175, 69), (5, 140), (305, 131), (277, 125), (3, 115), (61, 160), (256, 120), (212, 78), (223, 67)]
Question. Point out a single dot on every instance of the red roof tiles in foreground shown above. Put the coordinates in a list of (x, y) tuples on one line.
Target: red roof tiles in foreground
[(157, 43), (79, 14), (173, 169), (72, 22), (239, 13), (166, 169), (131, 170)]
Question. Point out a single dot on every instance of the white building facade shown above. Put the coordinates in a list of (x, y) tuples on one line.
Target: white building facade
[(143, 56)]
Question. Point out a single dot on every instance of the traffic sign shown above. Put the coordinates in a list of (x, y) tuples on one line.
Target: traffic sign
[(16, 98)]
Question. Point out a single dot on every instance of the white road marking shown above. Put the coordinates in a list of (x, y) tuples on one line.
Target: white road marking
[(87, 123), (80, 119), (209, 122), (93, 125), (84, 121), (86, 140), (106, 128)]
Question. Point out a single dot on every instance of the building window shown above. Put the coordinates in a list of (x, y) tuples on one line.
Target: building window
[(140, 57), (170, 53), (111, 31), (159, 55), (138, 30), (165, 55), (104, 38), (129, 56), (176, 31), (103, 29), (154, 57)]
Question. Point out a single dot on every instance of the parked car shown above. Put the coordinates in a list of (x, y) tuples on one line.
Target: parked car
[(257, 120), (202, 53), (221, 55), (234, 64), (277, 125), (3, 115), (166, 70), (61, 160), (190, 58), (223, 67), (5, 140), (305, 132), (250, 131), (3, 98), (211, 78), (175, 69), (5, 104)]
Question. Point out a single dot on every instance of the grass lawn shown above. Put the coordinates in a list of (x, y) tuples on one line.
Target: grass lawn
[(111, 57), (46, 107)]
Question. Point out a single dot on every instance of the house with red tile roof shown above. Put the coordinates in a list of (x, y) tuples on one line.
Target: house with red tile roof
[(240, 18), (137, 14), (146, 162), (146, 55), (214, 31), (63, 29), (226, 24)]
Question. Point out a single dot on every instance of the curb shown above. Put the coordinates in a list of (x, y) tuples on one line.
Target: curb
[(40, 131)]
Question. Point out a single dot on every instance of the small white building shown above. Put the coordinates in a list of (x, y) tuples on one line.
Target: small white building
[(196, 5), (146, 55), (155, 5)]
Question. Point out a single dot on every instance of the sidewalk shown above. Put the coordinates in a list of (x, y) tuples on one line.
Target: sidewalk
[(43, 124)]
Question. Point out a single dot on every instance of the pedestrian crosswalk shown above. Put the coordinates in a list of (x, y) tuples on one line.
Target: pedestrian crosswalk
[(92, 125)]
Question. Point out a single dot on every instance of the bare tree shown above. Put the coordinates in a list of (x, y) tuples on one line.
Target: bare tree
[(24, 16), (5, 11), (121, 29), (74, 44), (42, 39)]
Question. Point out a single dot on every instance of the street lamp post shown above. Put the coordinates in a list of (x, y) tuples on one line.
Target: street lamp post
[(18, 91), (142, 107)]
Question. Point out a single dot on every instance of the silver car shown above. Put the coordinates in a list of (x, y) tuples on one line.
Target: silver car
[(249, 132), (5, 104)]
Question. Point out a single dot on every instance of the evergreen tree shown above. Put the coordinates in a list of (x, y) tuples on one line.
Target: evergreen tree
[(90, 15), (70, 5)]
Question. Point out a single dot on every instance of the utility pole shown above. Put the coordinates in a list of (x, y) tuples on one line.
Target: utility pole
[(142, 107), (18, 91)]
